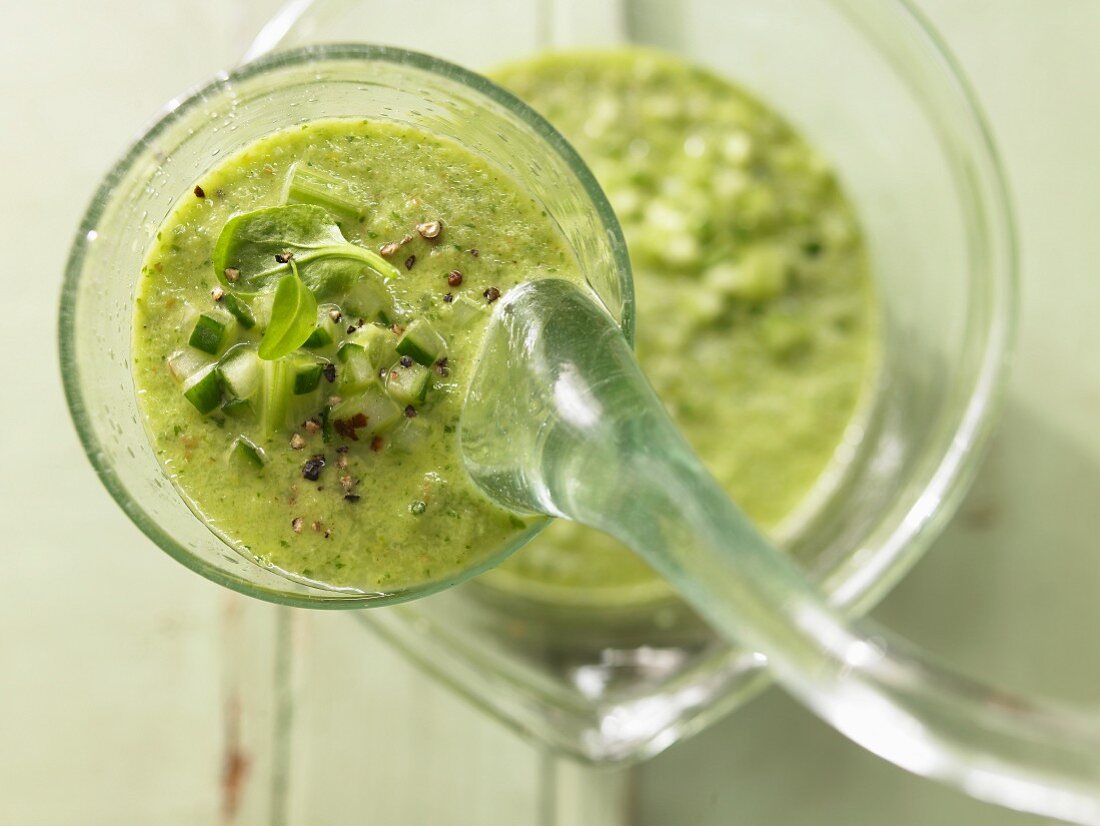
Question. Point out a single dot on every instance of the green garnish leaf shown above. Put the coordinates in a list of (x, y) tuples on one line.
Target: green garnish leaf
[(328, 263), (293, 317)]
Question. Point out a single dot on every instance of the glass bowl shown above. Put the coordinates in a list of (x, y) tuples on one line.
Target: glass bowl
[(871, 85), (193, 134)]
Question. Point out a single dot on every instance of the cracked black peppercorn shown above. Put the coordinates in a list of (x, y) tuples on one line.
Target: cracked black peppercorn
[(312, 467)]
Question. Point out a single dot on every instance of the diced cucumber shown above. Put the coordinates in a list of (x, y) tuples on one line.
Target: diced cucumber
[(372, 411), (204, 389), (379, 343), (408, 385), (239, 409), (240, 371), (212, 334), (465, 310), (303, 374), (240, 310), (421, 343), (346, 350), (320, 337), (369, 300), (410, 434), (364, 353), (247, 453), (358, 371), (327, 330), (183, 364), (382, 412), (306, 185), (307, 376)]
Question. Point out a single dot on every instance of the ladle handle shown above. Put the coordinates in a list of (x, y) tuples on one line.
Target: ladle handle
[(607, 455)]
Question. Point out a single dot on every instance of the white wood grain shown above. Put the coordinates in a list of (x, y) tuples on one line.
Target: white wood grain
[(376, 741)]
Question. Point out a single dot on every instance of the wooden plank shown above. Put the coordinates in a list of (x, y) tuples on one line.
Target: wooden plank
[(372, 734)]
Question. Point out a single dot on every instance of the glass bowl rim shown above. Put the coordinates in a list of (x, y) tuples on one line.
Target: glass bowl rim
[(860, 586), (172, 113)]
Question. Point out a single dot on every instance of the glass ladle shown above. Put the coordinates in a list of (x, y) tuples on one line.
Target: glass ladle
[(560, 420)]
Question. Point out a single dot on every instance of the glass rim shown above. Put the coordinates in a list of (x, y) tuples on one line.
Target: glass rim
[(175, 110), (986, 192)]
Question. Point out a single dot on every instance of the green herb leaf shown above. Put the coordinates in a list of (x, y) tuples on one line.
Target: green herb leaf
[(293, 317), (327, 262)]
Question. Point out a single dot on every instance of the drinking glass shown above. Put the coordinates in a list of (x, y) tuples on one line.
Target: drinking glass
[(194, 134)]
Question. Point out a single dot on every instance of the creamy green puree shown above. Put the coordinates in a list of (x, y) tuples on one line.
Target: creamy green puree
[(756, 319), (334, 458)]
